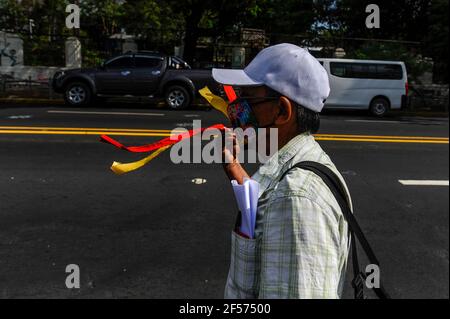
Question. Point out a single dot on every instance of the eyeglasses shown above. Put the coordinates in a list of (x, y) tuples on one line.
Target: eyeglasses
[(259, 100)]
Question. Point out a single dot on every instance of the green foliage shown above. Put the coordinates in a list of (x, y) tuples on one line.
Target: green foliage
[(283, 16), (102, 17), (12, 15), (91, 58), (40, 51), (421, 25), (436, 39)]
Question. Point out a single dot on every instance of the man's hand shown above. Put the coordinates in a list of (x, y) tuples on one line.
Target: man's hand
[(230, 152), (231, 148)]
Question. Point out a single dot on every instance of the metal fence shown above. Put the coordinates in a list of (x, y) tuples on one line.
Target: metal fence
[(432, 97), (44, 50)]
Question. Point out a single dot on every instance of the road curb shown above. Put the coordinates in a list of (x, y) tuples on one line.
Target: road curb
[(28, 102), (60, 102), (423, 114)]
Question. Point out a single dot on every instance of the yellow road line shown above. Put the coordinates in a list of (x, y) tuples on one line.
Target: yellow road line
[(37, 128), (382, 140), (112, 133), (381, 137), (30, 130)]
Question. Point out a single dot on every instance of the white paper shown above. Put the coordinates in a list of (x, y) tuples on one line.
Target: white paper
[(254, 196), (247, 201)]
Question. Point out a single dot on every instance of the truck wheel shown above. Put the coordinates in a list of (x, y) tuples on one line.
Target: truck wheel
[(77, 94), (379, 107), (177, 97)]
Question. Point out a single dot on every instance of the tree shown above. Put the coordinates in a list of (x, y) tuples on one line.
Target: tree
[(435, 41), (283, 16), (209, 17), (101, 18), (409, 28), (12, 16), (402, 20), (156, 24)]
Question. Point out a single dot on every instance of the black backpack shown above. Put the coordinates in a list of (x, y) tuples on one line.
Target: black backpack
[(338, 190)]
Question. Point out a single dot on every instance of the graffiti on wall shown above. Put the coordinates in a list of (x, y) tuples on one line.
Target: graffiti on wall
[(11, 54)]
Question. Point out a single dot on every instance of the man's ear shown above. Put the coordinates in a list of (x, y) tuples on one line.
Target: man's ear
[(286, 112)]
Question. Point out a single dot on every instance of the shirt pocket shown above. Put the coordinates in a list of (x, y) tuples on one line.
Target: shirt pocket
[(243, 277)]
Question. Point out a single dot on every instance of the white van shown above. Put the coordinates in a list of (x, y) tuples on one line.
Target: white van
[(363, 84)]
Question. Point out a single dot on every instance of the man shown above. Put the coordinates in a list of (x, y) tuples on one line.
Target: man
[(301, 239)]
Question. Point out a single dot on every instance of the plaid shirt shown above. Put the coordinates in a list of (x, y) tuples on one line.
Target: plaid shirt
[(301, 240)]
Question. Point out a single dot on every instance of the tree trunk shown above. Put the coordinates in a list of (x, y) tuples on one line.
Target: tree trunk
[(192, 33)]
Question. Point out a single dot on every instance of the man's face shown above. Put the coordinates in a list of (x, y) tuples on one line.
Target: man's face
[(256, 110), (263, 107), (272, 111)]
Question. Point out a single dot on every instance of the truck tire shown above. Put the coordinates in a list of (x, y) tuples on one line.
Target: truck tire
[(77, 94), (177, 97), (379, 106)]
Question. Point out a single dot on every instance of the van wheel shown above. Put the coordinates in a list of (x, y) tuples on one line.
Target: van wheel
[(77, 94), (379, 107), (177, 97)]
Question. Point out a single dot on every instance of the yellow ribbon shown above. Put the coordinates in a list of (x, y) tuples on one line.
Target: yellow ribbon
[(216, 101), (121, 169)]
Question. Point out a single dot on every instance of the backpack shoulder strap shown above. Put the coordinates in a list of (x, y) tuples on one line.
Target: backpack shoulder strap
[(336, 187)]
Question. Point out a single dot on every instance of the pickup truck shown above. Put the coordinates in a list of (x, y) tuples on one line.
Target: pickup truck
[(141, 74)]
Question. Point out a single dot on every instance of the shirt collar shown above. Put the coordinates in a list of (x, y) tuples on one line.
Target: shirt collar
[(281, 161)]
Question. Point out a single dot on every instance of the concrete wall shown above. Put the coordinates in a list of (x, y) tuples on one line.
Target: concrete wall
[(11, 54), (33, 73), (73, 53)]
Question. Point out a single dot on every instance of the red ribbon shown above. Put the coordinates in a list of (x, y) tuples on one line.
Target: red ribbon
[(230, 92), (176, 138)]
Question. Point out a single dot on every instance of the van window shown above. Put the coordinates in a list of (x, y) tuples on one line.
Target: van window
[(360, 71), (390, 71), (340, 69), (366, 71)]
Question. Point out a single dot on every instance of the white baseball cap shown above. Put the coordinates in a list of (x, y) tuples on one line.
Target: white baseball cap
[(287, 69)]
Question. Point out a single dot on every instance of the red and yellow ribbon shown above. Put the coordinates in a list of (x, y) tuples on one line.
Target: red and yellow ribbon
[(160, 146)]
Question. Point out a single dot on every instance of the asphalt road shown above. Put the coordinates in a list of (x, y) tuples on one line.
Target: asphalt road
[(155, 234)]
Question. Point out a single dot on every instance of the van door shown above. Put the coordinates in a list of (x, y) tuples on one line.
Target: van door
[(341, 85), (352, 84)]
